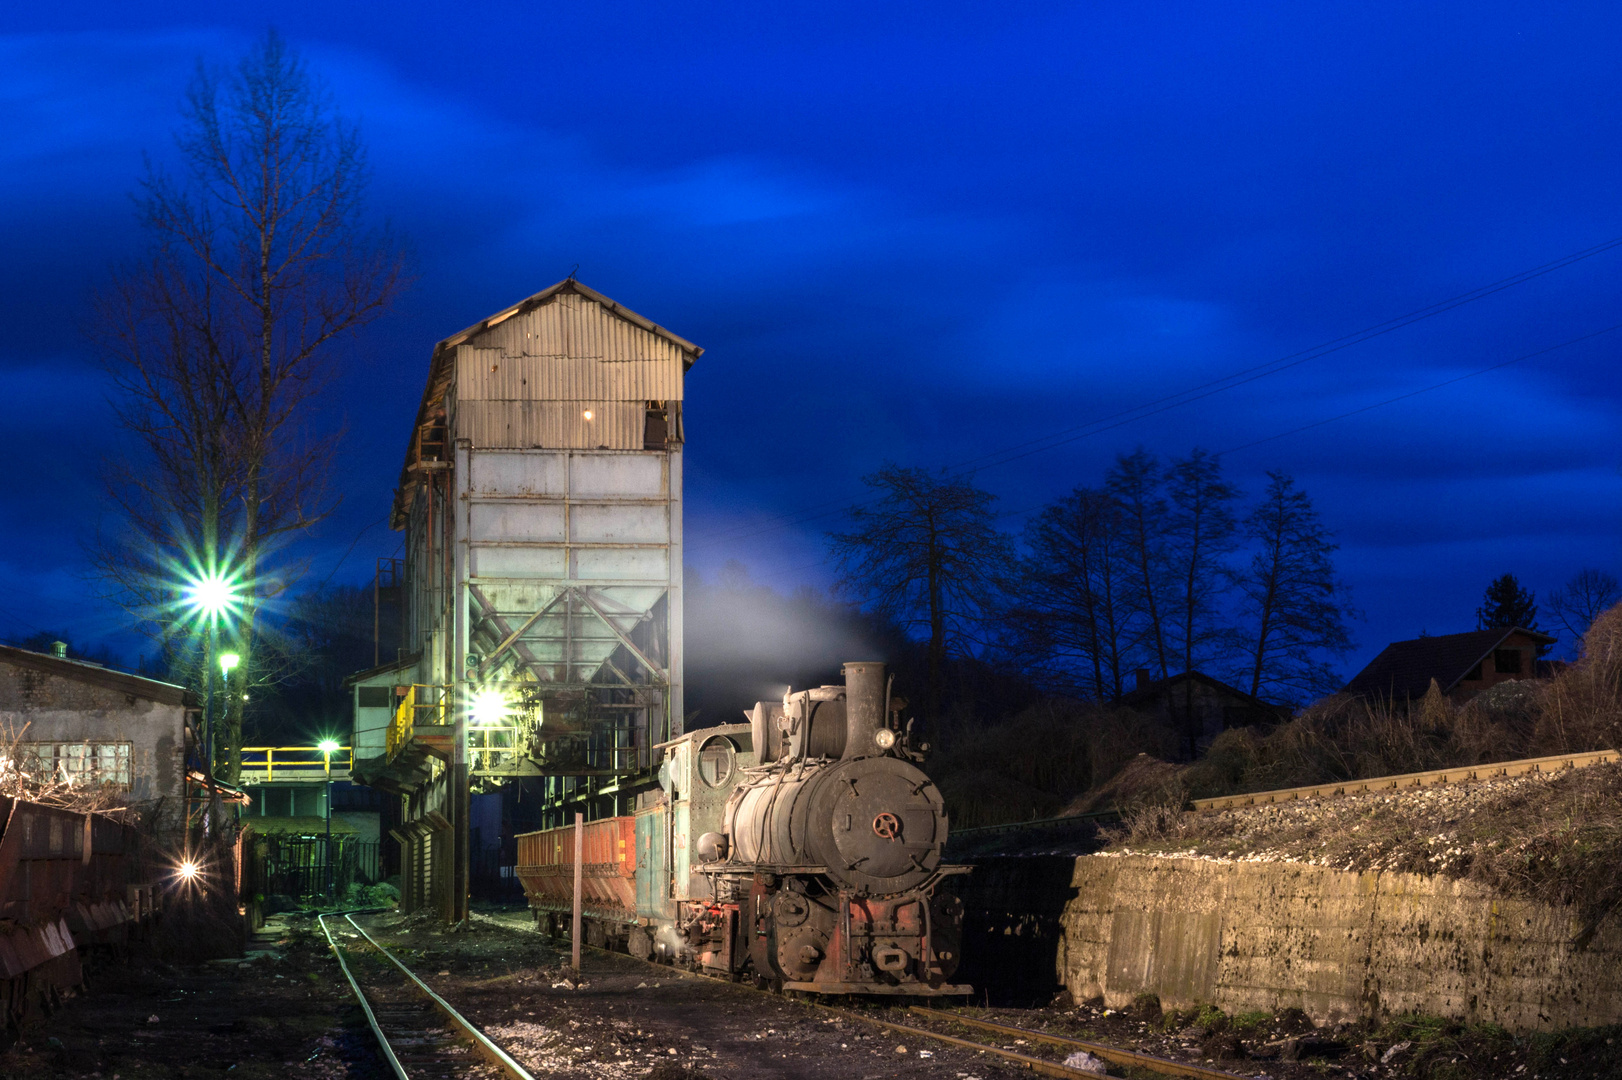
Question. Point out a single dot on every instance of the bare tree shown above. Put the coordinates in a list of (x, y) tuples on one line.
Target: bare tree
[(1201, 534), (1295, 607), (1136, 483), (929, 555), (1580, 601), (1073, 609), (224, 335)]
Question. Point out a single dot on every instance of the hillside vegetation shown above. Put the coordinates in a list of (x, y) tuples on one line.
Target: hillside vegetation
[(1550, 837)]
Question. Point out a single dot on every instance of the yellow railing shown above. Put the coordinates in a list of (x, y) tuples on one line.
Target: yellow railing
[(417, 698), (290, 763)]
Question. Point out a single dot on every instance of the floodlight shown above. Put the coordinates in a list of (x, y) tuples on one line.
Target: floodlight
[(189, 870), (228, 661), (489, 707), (327, 746)]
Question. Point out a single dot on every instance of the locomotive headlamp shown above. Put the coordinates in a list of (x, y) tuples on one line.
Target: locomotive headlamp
[(884, 737)]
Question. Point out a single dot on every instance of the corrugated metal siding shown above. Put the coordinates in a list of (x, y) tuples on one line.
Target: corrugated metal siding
[(521, 425), (493, 375), (572, 349)]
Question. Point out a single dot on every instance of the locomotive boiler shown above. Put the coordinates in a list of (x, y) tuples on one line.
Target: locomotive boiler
[(802, 850), (827, 870)]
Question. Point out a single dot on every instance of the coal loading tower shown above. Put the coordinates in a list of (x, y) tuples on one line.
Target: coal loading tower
[(541, 502)]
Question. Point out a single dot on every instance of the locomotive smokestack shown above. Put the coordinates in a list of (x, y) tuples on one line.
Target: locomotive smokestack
[(864, 707)]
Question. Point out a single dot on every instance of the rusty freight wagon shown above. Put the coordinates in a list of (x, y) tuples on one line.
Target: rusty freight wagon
[(632, 861)]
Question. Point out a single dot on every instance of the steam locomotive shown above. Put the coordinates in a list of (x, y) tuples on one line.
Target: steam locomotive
[(801, 850)]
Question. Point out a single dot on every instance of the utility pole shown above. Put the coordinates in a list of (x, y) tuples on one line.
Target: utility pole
[(579, 854), (327, 747)]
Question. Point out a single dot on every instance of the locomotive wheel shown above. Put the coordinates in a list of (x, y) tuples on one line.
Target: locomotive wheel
[(639, 943)]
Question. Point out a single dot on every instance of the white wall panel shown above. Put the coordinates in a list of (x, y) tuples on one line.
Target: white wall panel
[(627, 524), (622, 563), (517, 521), (617, 475)]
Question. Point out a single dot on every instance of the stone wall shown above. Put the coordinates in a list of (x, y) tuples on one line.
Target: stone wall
[(1336, 944)]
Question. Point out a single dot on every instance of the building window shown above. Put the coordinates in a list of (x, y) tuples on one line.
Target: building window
[(82, 763), (656, 427), (1506, 661), (374, 697)]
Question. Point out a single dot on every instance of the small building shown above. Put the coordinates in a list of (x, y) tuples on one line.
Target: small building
[(1463, 665), (81, 720), (1199, 705)]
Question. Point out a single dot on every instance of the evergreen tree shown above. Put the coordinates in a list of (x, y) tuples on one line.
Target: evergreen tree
[(1506, 604)]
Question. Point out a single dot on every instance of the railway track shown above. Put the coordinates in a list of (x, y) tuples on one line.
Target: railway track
[(1131, 1059), (420, 1035)]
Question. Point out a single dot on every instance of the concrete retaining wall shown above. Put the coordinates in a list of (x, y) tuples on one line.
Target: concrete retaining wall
[(1338, 945)]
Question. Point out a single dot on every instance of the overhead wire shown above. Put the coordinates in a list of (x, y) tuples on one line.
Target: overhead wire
[(1613, 328), (1188, 395)]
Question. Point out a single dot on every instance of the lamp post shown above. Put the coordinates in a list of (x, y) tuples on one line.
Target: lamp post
[(228, 663), (327, 747), (212, 595)]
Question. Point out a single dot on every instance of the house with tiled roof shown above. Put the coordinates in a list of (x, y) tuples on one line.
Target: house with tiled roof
[(1463, 665)]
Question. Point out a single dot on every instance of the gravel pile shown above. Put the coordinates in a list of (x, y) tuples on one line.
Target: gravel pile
[(1524, 829)]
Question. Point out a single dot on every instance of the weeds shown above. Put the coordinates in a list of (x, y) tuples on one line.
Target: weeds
[(1247, 1022)]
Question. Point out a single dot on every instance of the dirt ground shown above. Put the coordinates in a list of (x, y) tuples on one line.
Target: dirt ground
[(283, 1012), (286, 1012)]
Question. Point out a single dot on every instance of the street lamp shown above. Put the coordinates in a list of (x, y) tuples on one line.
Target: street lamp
[(212, 594), (327, 748)]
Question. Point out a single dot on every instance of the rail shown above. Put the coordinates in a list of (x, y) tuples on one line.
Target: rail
[(1128, 1058), (289, 764), (1112, 1054), (459, 1023), (1460, 775)]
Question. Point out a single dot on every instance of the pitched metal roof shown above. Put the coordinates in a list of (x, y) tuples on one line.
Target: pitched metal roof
[(441, 367), (96, 675), (1404, 669)]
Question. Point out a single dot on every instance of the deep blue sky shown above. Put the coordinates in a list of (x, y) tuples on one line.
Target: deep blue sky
[(918, 238)]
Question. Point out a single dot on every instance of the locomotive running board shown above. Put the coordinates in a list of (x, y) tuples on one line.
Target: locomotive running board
[(910, 989)]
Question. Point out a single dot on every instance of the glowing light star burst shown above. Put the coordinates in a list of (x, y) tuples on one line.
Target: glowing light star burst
[(213, 594), (489, 707), (189, 871), (328, 746)]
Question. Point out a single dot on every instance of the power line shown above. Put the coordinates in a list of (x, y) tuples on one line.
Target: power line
[(1393, 400), (1198, 392), (1614, 327)]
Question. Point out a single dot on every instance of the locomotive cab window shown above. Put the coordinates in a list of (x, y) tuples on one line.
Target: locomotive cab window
[(716, 760)]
